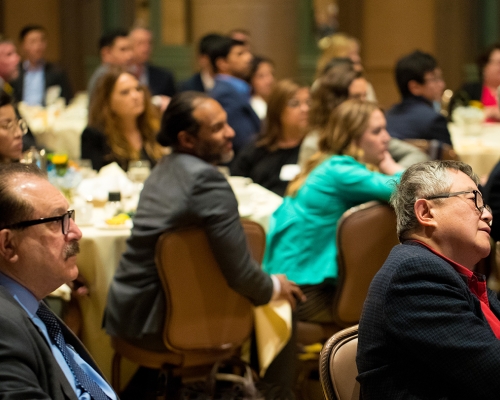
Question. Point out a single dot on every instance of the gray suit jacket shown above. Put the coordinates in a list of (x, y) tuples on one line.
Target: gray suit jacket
[(28, 370), (182, 191)]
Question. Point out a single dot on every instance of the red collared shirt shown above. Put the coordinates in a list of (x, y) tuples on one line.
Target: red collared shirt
[(477, 285)]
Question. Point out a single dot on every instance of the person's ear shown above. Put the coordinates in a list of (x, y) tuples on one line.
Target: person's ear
[(415, 88), (222, 65), (8, 246), (424, 212), (186, 140)]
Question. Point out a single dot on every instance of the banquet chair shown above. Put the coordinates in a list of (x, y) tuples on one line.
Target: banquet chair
[(206, 321), (365, 236), (435, 149), (337, 366)]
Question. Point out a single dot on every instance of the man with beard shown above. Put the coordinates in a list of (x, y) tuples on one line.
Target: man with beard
[(231, 61), (186, 189), (39, 356)]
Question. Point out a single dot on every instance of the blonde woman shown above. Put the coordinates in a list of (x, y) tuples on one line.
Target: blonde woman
[(351, 167), (122, 122)]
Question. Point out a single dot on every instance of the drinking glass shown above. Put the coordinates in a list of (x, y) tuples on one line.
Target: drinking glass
[(138, 171)]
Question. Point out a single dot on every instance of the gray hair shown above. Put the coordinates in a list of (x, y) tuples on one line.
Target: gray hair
[(419, 181)]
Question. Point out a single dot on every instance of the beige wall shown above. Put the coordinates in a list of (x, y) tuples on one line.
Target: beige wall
[(272, 24), (18, 13)]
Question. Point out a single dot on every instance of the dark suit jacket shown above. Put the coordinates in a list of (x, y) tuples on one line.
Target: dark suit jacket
[(194, 83), (53, 76), (181, 191), (415, 118), (422, 333), (240, 114), (469, 91), (161, 81), (28, 370), (491, 194)]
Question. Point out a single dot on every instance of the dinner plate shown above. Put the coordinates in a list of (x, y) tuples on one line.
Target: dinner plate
[(126, 225)]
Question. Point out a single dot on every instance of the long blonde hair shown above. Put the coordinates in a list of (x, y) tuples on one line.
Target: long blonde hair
[(334, 46), (102, 118), (345, 127)]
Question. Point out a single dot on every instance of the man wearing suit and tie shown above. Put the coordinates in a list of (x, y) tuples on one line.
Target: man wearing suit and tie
[(430, 327), (36, 75), (39, 357)]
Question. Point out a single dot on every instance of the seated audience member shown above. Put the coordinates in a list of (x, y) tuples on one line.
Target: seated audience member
[(9, 60), (202, 81), (271, 161), (484, 91), (262, 81), (114, 50), (341, 45), (420, 83), (231, 61), (36, 75), (160, 81), (186, 189), (339, 82), (40, 358), (302, 231), (122, 122), (491, 194), (430, 327), (12, 130)]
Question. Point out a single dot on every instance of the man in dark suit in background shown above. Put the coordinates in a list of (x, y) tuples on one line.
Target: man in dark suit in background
[(231, 60), (160, 81), (186, 189), (421, 85), (36, 75), (39, 356), (202, 81), (430, 328)]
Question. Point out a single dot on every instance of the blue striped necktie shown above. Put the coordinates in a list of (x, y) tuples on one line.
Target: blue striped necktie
[(55, 333)]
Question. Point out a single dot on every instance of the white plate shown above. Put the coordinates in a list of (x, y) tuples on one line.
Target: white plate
[(103, 225)]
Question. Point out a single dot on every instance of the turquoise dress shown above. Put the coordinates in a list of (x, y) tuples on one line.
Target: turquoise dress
[(301, 242)]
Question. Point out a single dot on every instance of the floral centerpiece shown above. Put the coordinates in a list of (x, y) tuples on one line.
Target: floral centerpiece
[(63, 174)]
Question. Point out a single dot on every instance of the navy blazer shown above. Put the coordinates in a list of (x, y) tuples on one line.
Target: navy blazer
[(415, 118), (53, 76), (28, 369), (161, 81), (194, 83), (422, 334), (240, 114)]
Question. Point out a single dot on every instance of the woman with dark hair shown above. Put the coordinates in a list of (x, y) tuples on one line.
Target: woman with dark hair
[(352, 166), (271, 160), (262, 81), (122, 122), (485, 91), (12, 130)]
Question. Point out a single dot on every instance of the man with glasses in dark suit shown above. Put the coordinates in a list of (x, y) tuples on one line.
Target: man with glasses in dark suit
[(430, 327), (39, 356)]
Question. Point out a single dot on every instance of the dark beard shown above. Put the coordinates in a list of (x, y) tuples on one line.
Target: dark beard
[(71, 249)]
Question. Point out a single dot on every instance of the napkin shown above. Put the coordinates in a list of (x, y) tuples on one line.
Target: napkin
[(273, 328)]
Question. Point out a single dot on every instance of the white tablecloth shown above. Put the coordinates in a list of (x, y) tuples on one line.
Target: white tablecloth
[(481, 151), (100, 252)]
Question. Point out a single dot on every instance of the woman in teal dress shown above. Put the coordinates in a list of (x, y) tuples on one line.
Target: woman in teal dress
[(351, 167)]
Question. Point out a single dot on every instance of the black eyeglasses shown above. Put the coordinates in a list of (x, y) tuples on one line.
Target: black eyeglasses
[(65, 222), (478, 199)]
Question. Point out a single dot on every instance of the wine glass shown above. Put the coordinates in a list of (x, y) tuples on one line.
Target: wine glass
[(138, 170)]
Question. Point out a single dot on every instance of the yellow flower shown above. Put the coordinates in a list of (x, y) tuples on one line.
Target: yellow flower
[(476, 104), (58, 159)]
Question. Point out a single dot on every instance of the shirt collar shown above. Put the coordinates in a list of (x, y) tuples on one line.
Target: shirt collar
[(28, 67), (22, 295)]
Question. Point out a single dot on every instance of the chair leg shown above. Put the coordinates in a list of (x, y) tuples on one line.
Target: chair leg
[(115, 373)]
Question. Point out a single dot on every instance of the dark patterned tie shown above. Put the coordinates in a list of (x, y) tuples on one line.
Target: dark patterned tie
[(82, 379)]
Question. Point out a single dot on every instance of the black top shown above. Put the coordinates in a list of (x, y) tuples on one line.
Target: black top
[(264, 166), (95, 147)]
